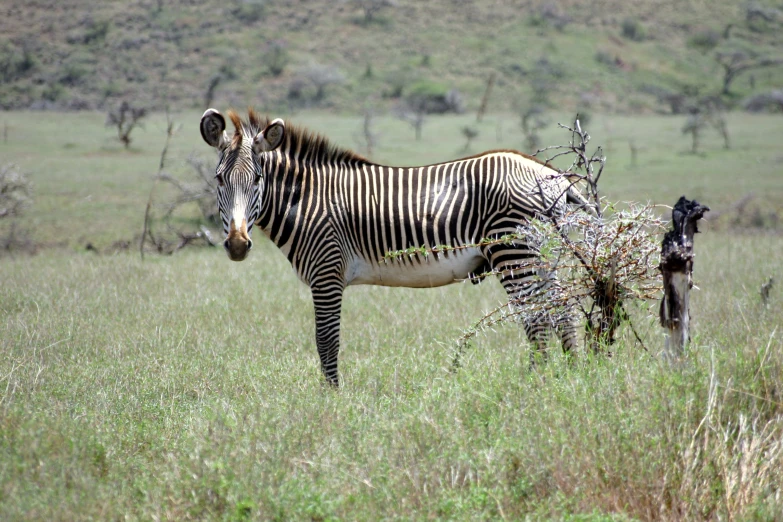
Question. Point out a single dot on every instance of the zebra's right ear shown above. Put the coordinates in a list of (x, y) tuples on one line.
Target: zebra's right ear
[(213, 129), (270, 138)]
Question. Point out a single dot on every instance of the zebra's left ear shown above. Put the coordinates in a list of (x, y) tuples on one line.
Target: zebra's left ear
[(213, 127), (270, 138)]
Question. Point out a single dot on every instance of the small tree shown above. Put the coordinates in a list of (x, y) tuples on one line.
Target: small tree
[(125, 118), (276, 58), (370, 8), (706, 111), (470, 134), (15, 197), (15, 191), (321, 77), (532, 122), (737, 61), (413, 112), (368, 138), (209, 93)]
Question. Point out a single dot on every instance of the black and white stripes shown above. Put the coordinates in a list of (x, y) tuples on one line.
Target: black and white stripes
[(336, 215)]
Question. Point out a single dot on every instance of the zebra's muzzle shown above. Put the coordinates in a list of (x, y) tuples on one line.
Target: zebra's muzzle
[(238, 242)]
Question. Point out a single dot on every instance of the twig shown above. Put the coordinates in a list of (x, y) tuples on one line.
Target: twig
[(169, 134)]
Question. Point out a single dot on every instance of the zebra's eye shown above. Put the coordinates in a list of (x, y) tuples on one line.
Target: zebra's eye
[(219, 179), (257, 179)]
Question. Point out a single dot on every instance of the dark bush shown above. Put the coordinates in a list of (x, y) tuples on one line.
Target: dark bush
[(96, 32), (434, 98), (15, 63), (771, 101), (604, 57), (249, 11), (276, 58), (633, 30), (704, 41)]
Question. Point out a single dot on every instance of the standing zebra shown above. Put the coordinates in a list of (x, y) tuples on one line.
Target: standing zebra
[(335, 215)]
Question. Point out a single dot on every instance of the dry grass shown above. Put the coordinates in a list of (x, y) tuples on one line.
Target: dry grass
[(188, 387)]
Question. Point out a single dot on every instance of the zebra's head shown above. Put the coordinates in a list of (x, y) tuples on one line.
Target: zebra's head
[(240, 172)]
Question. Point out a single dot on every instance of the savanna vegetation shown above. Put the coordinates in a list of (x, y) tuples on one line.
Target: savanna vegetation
[(187, 387), (599, 55)]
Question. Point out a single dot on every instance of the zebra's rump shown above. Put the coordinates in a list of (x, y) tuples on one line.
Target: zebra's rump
[(417, 272)]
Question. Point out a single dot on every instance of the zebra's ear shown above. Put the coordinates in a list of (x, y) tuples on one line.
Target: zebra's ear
[(213, 129), (270, 138)]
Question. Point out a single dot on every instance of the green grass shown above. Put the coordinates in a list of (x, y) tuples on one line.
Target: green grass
[(89, 189), (188, 387)]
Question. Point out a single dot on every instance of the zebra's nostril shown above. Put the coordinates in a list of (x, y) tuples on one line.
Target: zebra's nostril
[(225, 244), (249, 244)]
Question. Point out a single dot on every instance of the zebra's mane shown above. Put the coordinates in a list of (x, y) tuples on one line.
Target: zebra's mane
[(299, 141)]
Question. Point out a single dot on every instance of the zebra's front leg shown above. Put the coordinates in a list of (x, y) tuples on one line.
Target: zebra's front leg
[(327, 300)]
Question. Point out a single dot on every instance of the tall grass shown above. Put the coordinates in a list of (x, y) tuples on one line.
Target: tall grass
[(188, 387)]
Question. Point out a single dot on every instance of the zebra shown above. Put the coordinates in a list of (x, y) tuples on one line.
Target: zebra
[(336, 216)]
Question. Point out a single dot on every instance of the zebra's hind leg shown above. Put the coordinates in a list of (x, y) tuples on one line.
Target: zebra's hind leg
[(514, 266), (565, 327), (521, 280), (539, 326), (537, 331), (327, 300)]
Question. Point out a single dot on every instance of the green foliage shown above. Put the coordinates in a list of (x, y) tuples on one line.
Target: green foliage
[(604, 57), (54, 92), (148, 49), (148, 391), (249, 11), (705, 40), (633, 30), (277, 58), (96, 32), (15, 63), (76, 69), (427, 89)]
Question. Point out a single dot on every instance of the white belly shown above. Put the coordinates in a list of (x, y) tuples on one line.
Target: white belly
[(419, 273)]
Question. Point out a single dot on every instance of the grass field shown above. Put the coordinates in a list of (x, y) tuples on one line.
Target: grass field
[(187, 387)]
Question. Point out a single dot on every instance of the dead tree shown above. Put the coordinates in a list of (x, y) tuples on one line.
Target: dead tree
[(705, 111), (414, 112), (125, 119), (532, 122), (765, 289), (677, 269), (174, 238), (369, 137), (470, 134), (485, 99), (209, 93)]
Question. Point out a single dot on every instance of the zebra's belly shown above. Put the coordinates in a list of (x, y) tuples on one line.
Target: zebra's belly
[(422, 273)]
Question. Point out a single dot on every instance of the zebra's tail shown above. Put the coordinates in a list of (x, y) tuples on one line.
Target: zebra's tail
[(575, 197)]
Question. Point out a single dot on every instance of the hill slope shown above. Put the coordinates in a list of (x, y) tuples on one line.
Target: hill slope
[(610, 54)]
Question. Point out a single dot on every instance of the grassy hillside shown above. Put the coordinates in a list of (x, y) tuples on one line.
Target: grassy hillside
[(607, 56)]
